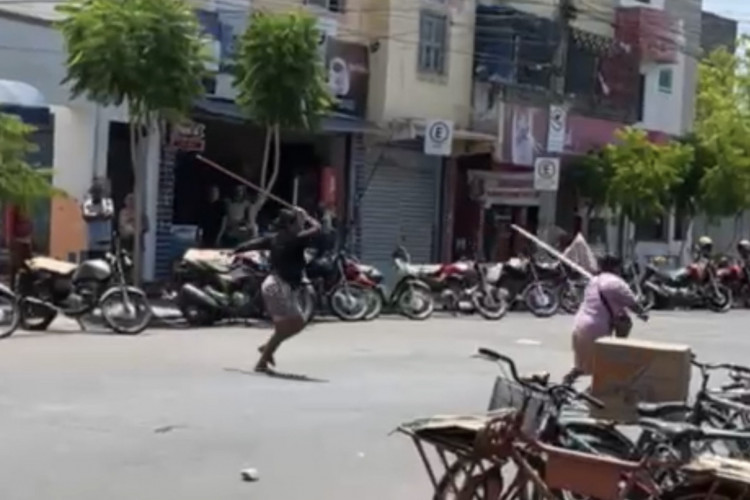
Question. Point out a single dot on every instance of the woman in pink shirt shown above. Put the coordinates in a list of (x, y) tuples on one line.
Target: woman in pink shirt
[(606, 299)]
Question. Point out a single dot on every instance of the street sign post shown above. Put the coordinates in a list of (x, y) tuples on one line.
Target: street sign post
[(438, 138), (546, 174)]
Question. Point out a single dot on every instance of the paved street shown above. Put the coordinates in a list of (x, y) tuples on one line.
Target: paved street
[(167, 415)]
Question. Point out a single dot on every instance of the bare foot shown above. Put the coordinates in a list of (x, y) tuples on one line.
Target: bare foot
[(271, 359)]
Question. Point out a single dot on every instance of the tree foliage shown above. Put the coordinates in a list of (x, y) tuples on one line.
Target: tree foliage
[(590, 178), (20, 182), (644, 174), (722, 131), (280, 82), (146, 54), (279, 75)]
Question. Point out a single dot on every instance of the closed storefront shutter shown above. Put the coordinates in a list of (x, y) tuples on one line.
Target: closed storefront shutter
[(399, 207)]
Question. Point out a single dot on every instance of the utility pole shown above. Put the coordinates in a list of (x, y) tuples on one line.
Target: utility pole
[(566, 11)]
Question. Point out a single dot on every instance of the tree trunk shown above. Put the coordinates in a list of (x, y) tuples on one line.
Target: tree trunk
[(139, 146), (687, 235), (621, 235), (260, 199)]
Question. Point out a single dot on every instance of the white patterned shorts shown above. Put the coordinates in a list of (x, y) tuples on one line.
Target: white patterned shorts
[(279, 298)]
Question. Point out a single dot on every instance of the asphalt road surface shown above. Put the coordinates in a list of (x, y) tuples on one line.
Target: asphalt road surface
[(169, 415)]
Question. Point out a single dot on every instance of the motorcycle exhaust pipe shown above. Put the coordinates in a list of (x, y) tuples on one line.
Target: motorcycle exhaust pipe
[(192, 294)]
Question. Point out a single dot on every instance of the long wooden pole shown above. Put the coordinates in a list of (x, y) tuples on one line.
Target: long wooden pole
[(244, 181), (552, 250)]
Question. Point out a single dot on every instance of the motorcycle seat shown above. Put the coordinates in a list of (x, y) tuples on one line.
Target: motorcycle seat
[(662, 410), (423, 269), (50, 265)]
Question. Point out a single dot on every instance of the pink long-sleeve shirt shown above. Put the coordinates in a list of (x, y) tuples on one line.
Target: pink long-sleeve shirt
[(593, 319)]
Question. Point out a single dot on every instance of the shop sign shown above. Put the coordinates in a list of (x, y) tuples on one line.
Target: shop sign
[(189, 136), (503, 188), (348, 75)]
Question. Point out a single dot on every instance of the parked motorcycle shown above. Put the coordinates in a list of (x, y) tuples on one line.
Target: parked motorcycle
[(340, 287), (219, 286), (486, 300), (48, 287), (736, 277), (10, 312), (410, 297), (531, 283), (452, 284), (694, 286), (633, 275), (570, 287)]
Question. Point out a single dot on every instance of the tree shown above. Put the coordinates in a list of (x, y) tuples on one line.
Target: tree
[(590, 178), (722, 132), (146, 54), (20, 183), (644, 175), (280, 82)]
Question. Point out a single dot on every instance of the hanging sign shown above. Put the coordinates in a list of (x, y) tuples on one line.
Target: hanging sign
[(558, 120)]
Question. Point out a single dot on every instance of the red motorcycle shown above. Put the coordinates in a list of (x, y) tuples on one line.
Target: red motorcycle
[(736, 277), (340, 286)]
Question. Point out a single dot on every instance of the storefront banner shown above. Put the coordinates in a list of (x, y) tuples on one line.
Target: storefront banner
[(558, 127), (348, 74), (526, 130)]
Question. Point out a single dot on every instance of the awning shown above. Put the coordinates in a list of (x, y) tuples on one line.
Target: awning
[(24, 101), (15, 93), (334, 122), (413, 128)]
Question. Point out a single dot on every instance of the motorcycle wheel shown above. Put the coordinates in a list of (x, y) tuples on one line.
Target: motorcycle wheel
[(416, 302), (375, 304), (542, 300), (647, 299), (195, 315), (491, 305), (571, 296), (349, 302), (112, 306), (9, 306), (35, 318), (722, 302), (306, 302)]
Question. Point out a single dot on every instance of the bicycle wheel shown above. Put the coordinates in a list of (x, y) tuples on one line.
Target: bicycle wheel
[(465, 480)]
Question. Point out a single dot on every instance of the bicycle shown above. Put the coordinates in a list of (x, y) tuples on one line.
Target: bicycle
[(487, 443)]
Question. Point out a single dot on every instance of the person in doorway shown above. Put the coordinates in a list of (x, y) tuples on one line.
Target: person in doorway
[(213, 220), (21, 232), (98, 211), (294, 228), (126, 224), (239, 226), (602, 312)]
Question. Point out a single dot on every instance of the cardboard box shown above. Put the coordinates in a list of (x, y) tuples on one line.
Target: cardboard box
[(628, 372)]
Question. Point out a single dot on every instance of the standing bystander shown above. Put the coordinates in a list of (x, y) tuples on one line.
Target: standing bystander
[(98, 211)]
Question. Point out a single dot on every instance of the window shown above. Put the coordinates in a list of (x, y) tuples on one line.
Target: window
[(433, 41), (641, 103), (665, 80), (332, 5)]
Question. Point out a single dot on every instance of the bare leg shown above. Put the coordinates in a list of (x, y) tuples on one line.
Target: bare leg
[(284, 328)]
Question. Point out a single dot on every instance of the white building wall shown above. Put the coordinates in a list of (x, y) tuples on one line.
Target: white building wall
[(31, 51)]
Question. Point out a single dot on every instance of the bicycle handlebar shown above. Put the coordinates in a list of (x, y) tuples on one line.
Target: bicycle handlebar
[(497, 357)]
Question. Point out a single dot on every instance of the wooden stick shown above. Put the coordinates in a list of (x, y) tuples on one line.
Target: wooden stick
[(551, 250), (244, 181)]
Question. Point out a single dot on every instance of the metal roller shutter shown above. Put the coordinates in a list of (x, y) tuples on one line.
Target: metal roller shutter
[(399, 207)]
